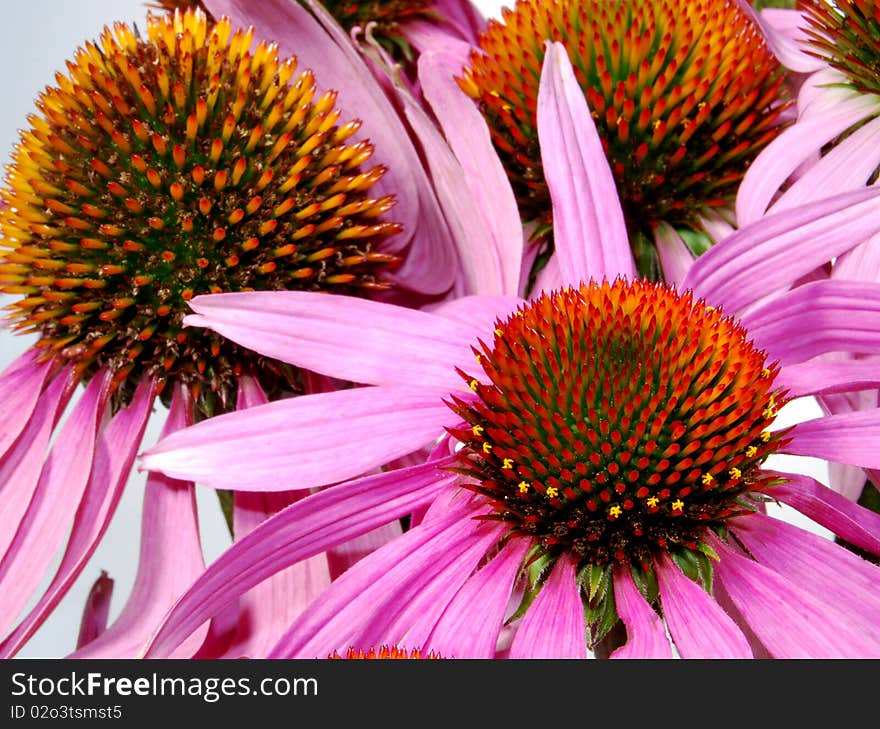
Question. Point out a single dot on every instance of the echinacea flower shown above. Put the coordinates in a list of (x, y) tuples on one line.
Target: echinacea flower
[(161, 166), (833, 147), (600, 449), (684, 96)]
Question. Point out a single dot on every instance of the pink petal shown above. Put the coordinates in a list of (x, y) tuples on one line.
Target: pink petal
[(852, 438), (788, 620), (265, 611), (345, 556), (410, 609), (855, 524), (96, 611), (20, 387), (21, 465), (320, 44), (304, 441), (341, 336), (675, 257), (781, 29), (646, 637), (861, 263), (114, 455), (848, 166), (589, 230), (775, 251), (310, 526), (698, 625), (832, 572), (476, 314), (495, 243), (783, 155), (462, 631), (816, 318), (335, 622), (49, 515), (554, 625), (822, 376), (170, 557)]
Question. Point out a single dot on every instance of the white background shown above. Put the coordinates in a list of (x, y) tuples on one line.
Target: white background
[(36, 37)]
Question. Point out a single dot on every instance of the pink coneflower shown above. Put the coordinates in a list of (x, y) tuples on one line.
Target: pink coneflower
[(183, 161), (833, 147), (599, 454), (683, 94)]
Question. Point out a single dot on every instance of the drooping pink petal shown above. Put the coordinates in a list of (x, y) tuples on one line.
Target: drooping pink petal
[(588, 227), (339, 435), (21, 465), (50, 513), (716, 225), (646, 637), (470, 625), (783, 155), (335, 622), (852, 438), (790, 621), (411, 607), (554, 625), (495, 243), (341, 336), (848, 166), (170, 558), (676, 258), (697, 624), (854, 523), (828, 570), (775, 251), (321, 45), (20, 387), (96, 610), (816, 318), (114, 455), (459, 16), (822, 376), (265, 611), (310, 526)]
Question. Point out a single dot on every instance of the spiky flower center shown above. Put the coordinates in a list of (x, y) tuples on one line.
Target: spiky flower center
[(179, 164), (846, 34), (684, 95), (613, 421)]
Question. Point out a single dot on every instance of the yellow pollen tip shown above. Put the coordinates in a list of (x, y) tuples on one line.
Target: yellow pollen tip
[(474, 384), (523, 486), (477, 430), (735, 473), (652, 501), (751, 451), (487, 447), (707, 479), (507, 464), (552, 492), (765, 436), (677, 505), (615, 511)]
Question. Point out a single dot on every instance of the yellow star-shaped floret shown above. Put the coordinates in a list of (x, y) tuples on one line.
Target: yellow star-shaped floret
[(477, 430), (523, 486), (615, 511), (487, 447), (677, 505), (707, 479), (652, 501), (735, 472), (507, 464), (751, 451), (552, 492)]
